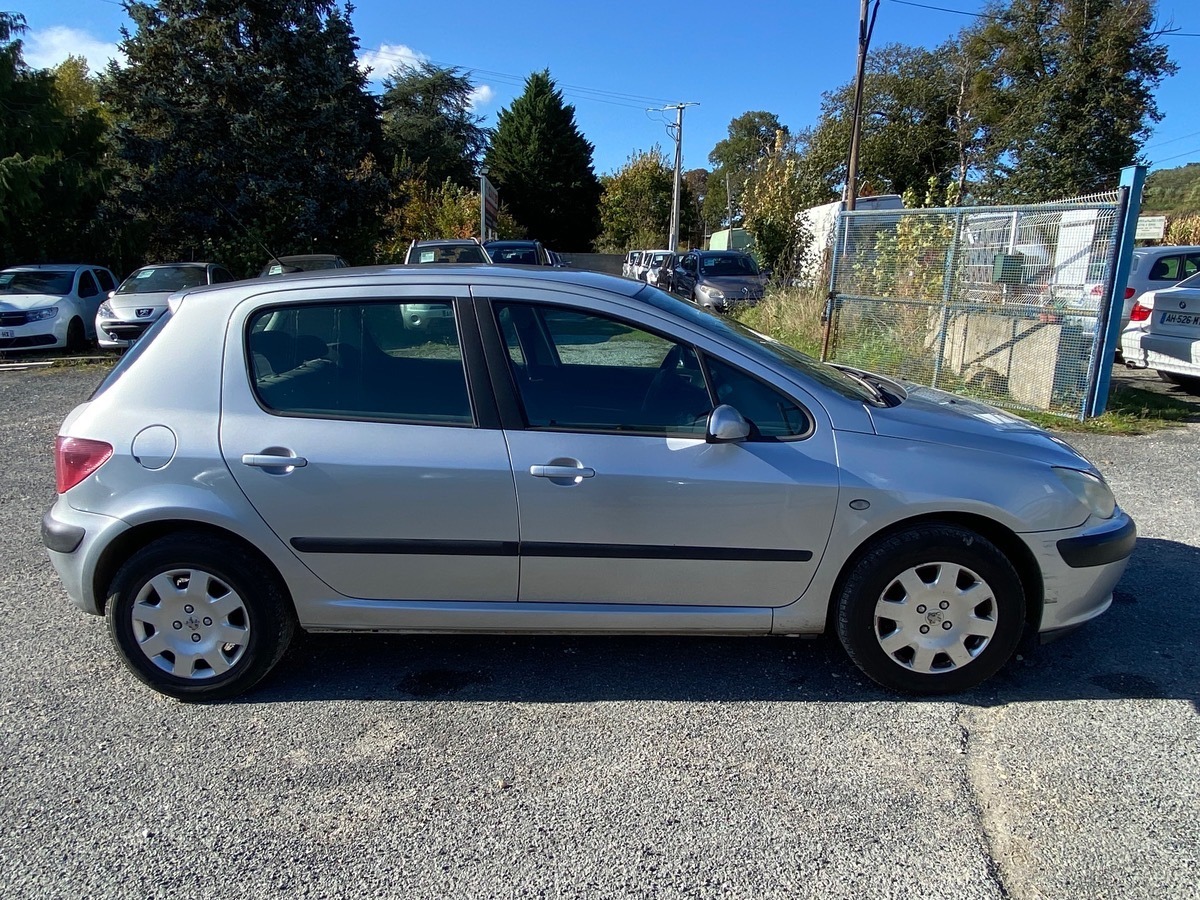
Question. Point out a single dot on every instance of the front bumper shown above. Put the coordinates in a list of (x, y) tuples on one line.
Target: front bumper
[(118, 334), (86, 535), (41, 335), (1080, 567)]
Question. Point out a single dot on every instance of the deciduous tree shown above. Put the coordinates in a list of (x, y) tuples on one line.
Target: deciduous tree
[(1064, 93)]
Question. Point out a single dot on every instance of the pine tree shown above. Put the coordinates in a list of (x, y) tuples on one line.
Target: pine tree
[(250, 111), (542, 166)]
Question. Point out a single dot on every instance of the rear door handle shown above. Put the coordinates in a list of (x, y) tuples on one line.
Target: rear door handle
[(562, 472), (271, 461)]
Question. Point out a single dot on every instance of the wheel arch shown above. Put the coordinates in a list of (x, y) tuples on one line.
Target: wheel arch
[(134, 539), (1009, 543)]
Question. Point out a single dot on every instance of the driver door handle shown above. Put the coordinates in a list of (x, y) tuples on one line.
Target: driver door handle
[(562, 472), (271, 461)]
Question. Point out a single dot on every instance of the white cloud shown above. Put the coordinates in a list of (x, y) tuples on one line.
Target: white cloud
[(389, 58), (48, 47), (482, 96)]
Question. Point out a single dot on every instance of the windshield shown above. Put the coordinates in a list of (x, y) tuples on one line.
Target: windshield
[(40, 282), (163, 279), (449, 253), (522, 256), (755, 344), (727, 265), (659, 259)]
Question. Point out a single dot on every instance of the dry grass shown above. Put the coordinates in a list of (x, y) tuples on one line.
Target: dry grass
[(791, 315)]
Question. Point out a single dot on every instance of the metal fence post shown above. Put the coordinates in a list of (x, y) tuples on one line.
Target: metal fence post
[(1133, 178), (947, 291)]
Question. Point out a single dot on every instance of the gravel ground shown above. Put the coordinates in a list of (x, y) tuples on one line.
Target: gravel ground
[(603, 767)]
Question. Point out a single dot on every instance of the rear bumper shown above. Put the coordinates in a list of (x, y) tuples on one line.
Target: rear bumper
[(1080, 567), (75, 541), (1162, 352)]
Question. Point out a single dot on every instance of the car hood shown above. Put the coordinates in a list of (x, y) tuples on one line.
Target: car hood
[(127, 303), (934, 416), (28, 301), (734, 283)]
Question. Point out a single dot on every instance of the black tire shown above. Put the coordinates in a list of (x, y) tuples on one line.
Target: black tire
[(914, 661), (247, 605), (76, 336), (1168, 377)]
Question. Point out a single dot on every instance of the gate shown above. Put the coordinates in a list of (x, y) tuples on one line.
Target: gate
[(1009, 304)]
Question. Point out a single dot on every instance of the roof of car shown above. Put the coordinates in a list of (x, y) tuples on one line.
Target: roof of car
[(177, 265), (434, 273), (52, 267), (511, 243), (300, 256), (442, 242)]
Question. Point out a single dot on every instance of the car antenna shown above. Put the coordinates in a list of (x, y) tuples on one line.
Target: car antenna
[(229, 213)]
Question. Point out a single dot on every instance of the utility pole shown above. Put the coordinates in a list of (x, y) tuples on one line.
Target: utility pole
[(676, 132), (728, 211), (864, 44)]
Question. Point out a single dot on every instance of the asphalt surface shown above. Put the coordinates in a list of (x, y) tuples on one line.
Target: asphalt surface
[(603, 767)]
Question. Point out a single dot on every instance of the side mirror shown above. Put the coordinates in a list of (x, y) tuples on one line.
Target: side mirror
[(111, 294), (726, 426)]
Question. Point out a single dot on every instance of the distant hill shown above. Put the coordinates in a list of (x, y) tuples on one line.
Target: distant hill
[(1173, 192)]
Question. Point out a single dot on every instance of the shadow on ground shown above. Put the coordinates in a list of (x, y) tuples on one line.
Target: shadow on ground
[(1144, 647)]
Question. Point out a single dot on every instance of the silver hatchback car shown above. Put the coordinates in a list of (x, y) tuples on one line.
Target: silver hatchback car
[(578, 454)]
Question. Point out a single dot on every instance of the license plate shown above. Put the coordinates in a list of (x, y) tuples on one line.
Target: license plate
[(1173, 318), (5, 333)]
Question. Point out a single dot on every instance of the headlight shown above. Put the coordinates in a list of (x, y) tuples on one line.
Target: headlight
[(1089, 490), (710, 292), (106, 311), (37, 315)]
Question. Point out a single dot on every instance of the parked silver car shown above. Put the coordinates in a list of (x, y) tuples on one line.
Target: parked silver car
[(142, 298), (584, 454), (718, 280)]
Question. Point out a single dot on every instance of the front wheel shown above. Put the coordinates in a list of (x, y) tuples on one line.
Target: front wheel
[(932, 609), (198, 618)]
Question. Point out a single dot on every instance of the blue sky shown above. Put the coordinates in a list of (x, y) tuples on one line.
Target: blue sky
[(615, 59)]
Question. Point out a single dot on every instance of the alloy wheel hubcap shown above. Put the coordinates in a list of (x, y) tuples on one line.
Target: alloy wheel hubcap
[(190, 624), (935, 618)]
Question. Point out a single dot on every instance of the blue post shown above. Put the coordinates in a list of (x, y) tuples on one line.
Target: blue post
[(1132, 177)]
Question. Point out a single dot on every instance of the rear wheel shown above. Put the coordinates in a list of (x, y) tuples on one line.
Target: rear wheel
[(198, 618), (931, 610)]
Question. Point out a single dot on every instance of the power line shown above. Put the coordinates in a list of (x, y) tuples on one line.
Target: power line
[(600, 95)]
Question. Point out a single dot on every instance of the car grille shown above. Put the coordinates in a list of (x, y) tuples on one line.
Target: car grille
[(19, 317)]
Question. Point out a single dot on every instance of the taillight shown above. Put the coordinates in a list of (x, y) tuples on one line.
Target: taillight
[(1140, 313), (77, 458), (1129, 292)]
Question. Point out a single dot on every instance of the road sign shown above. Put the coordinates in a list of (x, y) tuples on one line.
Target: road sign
[(1151, 228)]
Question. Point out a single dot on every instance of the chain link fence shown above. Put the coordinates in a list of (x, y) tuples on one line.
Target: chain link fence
[(1007, 304)]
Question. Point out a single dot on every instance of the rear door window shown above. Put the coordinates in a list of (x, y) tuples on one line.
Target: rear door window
[(378, 361)]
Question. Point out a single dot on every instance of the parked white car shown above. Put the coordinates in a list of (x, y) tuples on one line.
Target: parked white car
[(44, 307), (652, 263), (1155, 268), (1164, 333)]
